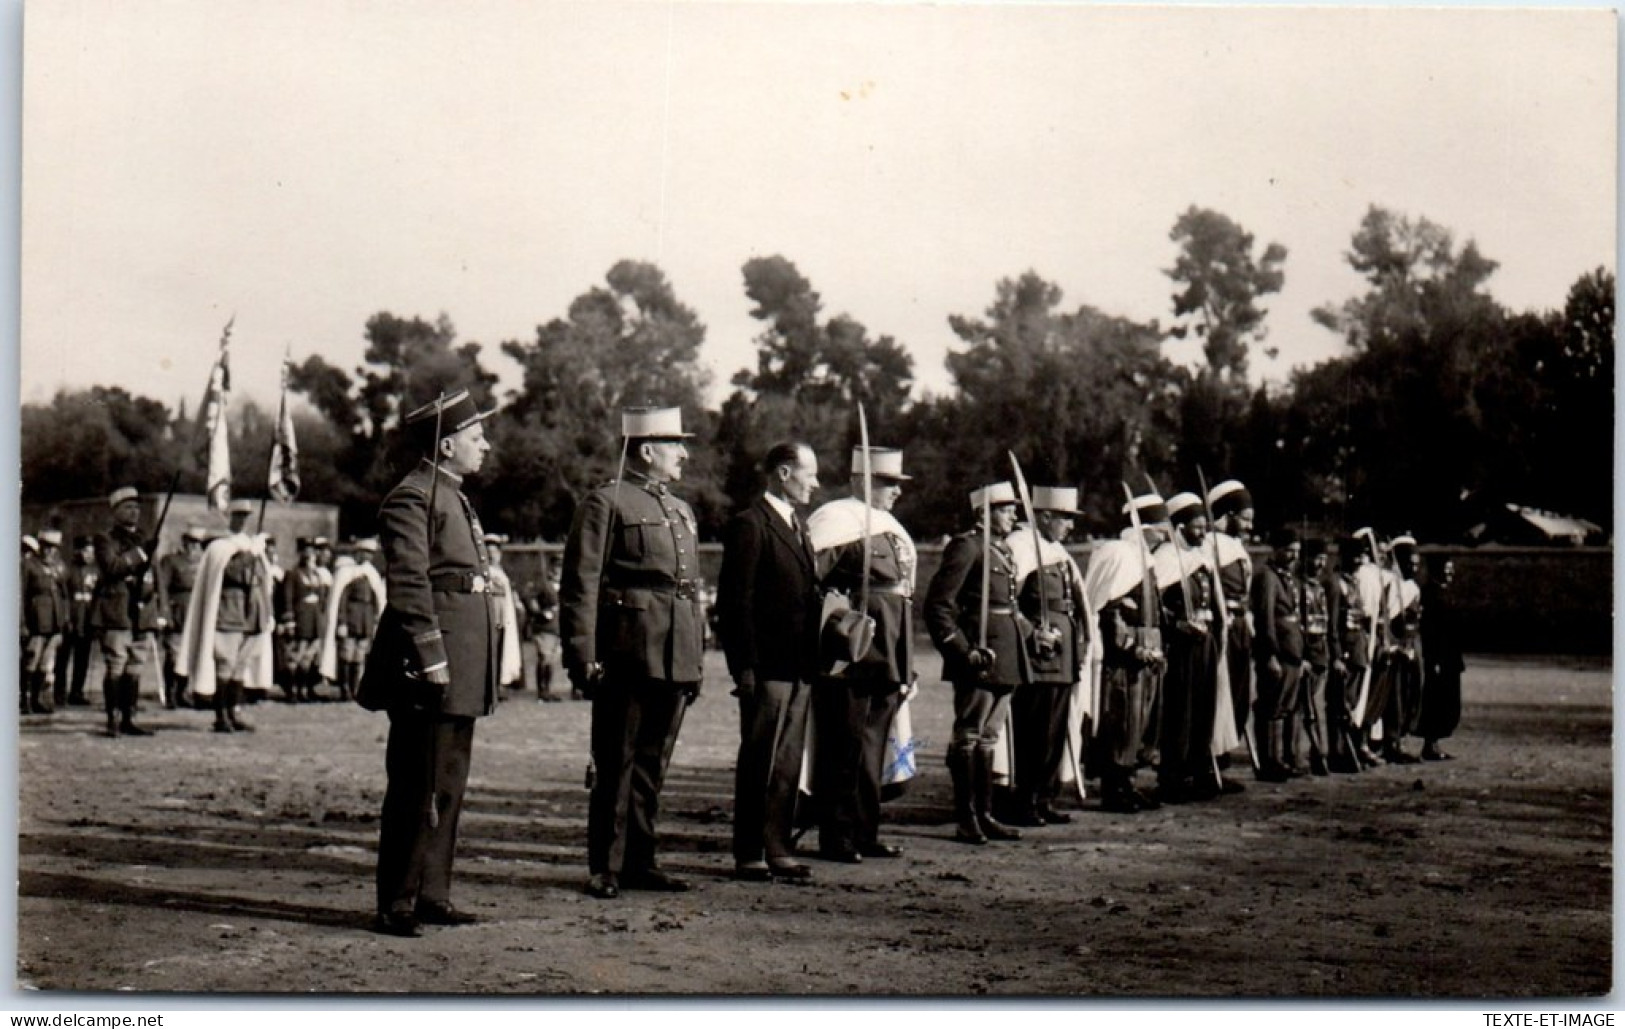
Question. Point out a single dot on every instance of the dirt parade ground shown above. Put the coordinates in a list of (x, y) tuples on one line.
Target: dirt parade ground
[(193, 862)]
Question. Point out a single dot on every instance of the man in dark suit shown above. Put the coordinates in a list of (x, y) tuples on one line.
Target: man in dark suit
[(432, 665), (769, 603), (633, 629)]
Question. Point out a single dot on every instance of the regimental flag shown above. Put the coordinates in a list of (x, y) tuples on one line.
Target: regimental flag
[(283, 481), (215, 403)]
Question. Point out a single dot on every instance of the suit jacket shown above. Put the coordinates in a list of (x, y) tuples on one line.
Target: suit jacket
[(768, 598), (953, 612), (629, 592), (438, 613)]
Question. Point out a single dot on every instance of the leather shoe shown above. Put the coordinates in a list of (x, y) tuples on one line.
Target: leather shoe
[(430, 913), (753, 872), (1053, 816), (1435, 754), (788, 870), (880, 850), (603, 886), (845, 856), (654, 880), (397, 923), (1228, 785)]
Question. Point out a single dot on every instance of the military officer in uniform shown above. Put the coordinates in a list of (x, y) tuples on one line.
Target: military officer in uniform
[(73, 657), (1190, 688), (633, 631), (45, 619), (1050, 597), (124, 613), (304, 590), (432, 665), (860, 691), (985, 660), (1278, 653), (177, 574), (1127, 662), (1308, 733), (1232, 507)]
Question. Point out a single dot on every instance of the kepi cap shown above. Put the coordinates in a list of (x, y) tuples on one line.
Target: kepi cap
[(196, 533), (30, 543), (653, 423), (884, 463), (51, 538), (456, 411), (499, 539), (1059, 499), (122, 494), (240, 507), (992, 495)]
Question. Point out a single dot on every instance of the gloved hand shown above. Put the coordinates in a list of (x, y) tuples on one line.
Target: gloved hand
[(586, 678), (745, 684), (980, 658)]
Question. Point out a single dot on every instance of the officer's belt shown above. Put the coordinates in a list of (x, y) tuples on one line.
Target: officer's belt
[(684, 589), (459, 582), (887, 589), (1000, 609)]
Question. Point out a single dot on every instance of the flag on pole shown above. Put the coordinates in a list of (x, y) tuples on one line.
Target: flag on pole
[(283, 481), (215, 402)]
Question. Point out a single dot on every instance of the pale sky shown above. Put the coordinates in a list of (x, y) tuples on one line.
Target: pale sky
[(306, 163)]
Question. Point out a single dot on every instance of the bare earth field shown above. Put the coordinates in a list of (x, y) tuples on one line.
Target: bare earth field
[(197, 863)]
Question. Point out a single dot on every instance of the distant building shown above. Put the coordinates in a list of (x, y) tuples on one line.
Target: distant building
[(285, 522), (1516, 525)]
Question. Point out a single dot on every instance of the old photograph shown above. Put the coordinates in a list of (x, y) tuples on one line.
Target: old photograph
[(802, 501)]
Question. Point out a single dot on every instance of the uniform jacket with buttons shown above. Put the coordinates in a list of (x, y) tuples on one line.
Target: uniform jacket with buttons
[(45, 597), (304, 596), (125, 598), (836, 529), (629, 588), (1277, 630), (177, 573), (81, 580), (953, 612), (1061, 591), (438, 614)]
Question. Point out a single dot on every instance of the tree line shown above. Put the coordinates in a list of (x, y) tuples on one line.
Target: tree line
[(1442, 401)]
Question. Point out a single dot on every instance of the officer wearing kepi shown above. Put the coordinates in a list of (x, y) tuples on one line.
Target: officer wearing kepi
[(432, 665), (633, 629)]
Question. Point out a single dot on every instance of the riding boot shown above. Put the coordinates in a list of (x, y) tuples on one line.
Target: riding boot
[(234, 696), (182, 692), (221, 722), (169, 685), (982, 784), (41, 696), (25, 687), (126, 725), (966, 827), (111, 687), (1272, 766)]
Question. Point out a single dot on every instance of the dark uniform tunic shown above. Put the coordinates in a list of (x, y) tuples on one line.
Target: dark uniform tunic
[(629, 597), (1441, 691), (1190, 684), (854, 703), (123, 612), (1308, 734), (1048, 596), (1346, 621), (438, 616), (45, 613), (304, 594), (177, 574), (1236, 583), (1278, 634), (73, 657)]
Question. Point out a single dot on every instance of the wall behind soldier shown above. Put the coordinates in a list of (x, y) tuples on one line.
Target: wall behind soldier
[(1513, 600), (285, 522)]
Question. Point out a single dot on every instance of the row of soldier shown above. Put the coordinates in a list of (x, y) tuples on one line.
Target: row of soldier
[(219, 610)]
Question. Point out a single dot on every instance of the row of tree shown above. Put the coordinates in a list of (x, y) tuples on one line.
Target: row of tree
[(1441, 398)]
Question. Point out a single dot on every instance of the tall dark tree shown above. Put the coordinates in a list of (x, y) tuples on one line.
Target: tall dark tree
[(87, 442), (1221, 282), (809, 375), (629, 342)]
